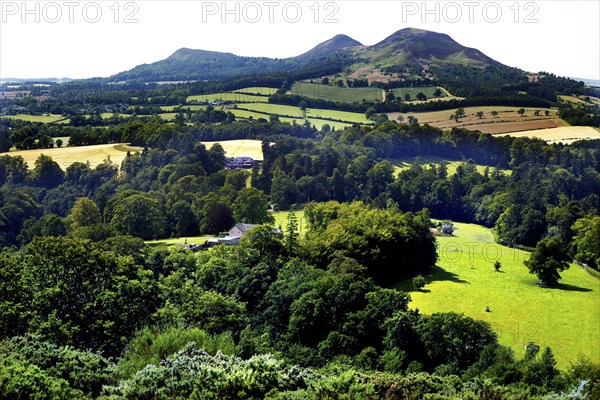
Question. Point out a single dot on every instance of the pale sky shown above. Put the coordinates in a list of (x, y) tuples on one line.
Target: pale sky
[(82, 39)]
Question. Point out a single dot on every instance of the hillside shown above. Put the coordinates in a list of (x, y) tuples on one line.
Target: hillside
[(336, 43), (407, 53)]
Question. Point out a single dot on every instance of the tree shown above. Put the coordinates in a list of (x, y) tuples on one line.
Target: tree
[(586, 243), (418, 282), (325, 81), (251, 206), (184, 218), (521, 111), (59, 142), (47, 172), (407, 97), (421, 96), (219, 219), (479, 114), (291, 233), (459, 113), (85, 296), (547, 261), (497, 266), (84, 212), (494, 114), (139, 215)]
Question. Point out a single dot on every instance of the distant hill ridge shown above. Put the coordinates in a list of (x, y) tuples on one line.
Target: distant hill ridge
[(409, 47)]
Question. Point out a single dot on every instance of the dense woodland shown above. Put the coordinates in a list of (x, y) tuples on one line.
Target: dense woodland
[(86, 304)]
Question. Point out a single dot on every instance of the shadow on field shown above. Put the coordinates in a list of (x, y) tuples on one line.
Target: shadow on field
[(440, 274), (568, 288)]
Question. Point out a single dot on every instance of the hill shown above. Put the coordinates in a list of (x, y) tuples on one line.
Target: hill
[(336, 43), (405, 53)]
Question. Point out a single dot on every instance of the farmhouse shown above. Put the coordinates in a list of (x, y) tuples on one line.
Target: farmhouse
[(239, 163)]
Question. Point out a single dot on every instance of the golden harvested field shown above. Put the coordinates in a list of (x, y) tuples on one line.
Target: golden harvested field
[(66, 156), (239, 148), (519, 126), (564, 134), (507, 120)]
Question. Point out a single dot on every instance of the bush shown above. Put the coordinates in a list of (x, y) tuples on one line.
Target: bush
[(418, 282)]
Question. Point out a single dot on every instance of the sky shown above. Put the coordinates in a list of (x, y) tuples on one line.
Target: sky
[(83, 39)]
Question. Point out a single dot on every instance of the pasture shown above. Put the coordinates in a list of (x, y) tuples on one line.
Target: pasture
[(235, 97), (281, 220), (259, 90), (311, 113), (45, 118), (239, 148), (336, 93), (413, 91), (66, 156), (401, 164), (565, 134), (565, 318)]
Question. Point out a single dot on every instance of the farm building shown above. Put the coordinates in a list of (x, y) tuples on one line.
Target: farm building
[(239, 163)]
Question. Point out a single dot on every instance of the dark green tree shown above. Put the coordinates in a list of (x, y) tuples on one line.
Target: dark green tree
[(548, 259), (251, 206)]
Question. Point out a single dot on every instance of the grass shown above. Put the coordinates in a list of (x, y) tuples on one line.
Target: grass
[(179, 241), (66, 156), (566, 318), (46, 118), (264, 91), (404, 163), (281, 220), (275, 109), (336, 93), (318, 123), (311, 113), (412, 91), (228, 96), (239, 148)]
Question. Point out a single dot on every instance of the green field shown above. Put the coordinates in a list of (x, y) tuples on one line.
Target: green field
[(565, 318), (281, 220), (404, 163), (265, 91), (183, 108), (46, 118), (318, 123), (228, 96), (296, 112), (336, 93), (179, 241), (275, 109), (412, 91), (338, 115)]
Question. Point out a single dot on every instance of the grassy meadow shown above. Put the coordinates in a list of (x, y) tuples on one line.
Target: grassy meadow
[(260, 90), (228, 96), (336, 93), (45, 118), (404, 163), (565, 318)]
